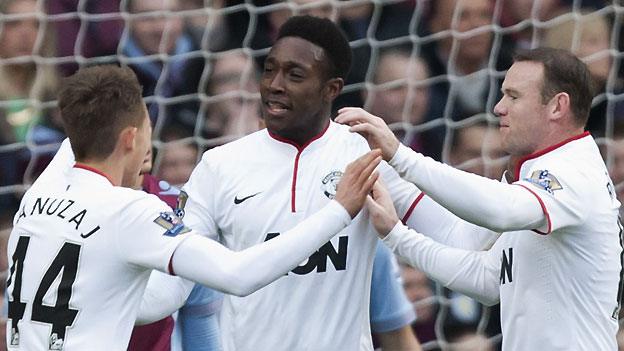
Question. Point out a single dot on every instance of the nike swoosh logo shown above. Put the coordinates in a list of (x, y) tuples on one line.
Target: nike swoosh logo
[(238, 201)]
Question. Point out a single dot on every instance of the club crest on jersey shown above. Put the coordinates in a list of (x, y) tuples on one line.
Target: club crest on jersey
[(172, 223), (545, 180), (330, 184), (179, 210)]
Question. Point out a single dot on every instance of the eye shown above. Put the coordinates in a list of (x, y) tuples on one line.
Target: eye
[(296, 74)]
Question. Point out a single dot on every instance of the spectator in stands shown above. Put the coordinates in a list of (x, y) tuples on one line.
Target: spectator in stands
[(419, 291), (530, 11), (98, 38), (161, 55), (477, 148), (208, 30), (233, 106), (461, 59), (589, 37), (399, 95), (25, 83), (175, 162)]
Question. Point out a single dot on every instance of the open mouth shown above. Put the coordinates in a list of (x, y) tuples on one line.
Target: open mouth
[(276, 107)]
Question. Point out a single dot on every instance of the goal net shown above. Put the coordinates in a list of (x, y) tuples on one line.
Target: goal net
[(431, 69)]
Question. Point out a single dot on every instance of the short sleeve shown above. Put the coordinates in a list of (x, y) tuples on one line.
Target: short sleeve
[(148, 234), (199, 210), (389, 307), (559, 195)]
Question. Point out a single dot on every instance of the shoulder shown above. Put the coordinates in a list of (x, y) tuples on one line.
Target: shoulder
[(578, 164), (342, 135), (130, 201), (246, 145)]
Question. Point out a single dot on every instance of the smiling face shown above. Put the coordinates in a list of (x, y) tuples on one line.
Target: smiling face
[(295, 90), (521, 109)]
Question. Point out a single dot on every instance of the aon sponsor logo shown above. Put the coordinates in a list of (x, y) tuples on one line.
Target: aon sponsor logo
[(318, 261)]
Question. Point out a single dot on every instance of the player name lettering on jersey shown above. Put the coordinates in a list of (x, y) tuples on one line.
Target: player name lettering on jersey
[(64, 209)]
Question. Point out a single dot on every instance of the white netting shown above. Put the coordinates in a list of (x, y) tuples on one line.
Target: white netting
[(203, 90)]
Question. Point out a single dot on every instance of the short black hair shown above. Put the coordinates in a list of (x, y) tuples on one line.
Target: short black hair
[(324, 33)]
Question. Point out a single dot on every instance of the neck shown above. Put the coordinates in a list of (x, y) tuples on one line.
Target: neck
[(113, 173), (558, 136), (303, 137)]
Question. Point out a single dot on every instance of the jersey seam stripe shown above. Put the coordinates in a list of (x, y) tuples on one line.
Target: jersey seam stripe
[(294, 183), (545, 151), (544, 209), (412, 207)]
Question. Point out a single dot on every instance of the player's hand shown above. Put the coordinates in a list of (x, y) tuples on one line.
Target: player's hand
[(381, 209), (358, 181), (373, 128)]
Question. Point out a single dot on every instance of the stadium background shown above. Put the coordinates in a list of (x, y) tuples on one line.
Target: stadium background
[(432, 69)]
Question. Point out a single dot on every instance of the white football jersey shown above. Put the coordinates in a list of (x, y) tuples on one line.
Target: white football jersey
[(558, 285), (78, 258), (255, 188), (560, 291)]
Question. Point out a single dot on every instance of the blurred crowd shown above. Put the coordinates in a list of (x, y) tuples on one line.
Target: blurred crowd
[(431, 68)]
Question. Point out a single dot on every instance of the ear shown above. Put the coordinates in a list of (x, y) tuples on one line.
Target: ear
[(559, 106), (127, 138), (332, 89)]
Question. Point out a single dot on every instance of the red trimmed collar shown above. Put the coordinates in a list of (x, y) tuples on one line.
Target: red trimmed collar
[(545, 151), (300, 147), (94, 170)]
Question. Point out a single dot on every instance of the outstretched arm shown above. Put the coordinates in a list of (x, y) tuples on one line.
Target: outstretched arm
[(163, 295), (479, 200), (474, 273), (241, 273)]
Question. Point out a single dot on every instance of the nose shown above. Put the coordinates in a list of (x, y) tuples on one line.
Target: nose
[(276, 83), (499, 109)]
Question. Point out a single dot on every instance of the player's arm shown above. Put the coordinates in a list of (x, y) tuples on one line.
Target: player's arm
[(479, 200), (446, 228), (243, 272), (165, 291), (473, 273), (419, 212), (198, 320), (391, 314)]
